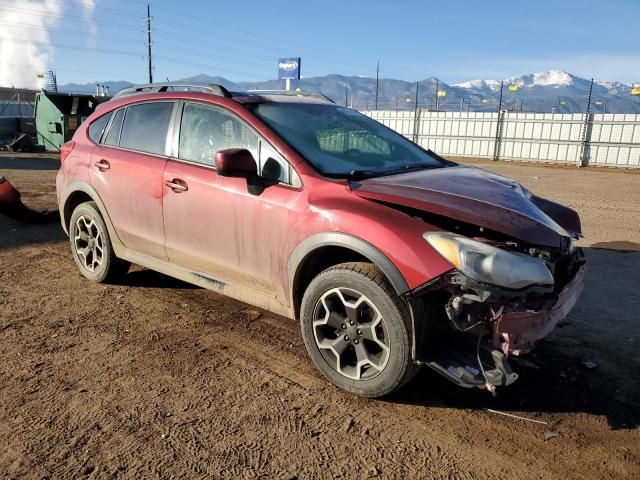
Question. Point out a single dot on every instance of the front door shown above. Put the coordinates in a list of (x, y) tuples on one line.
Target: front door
[(213, 224)]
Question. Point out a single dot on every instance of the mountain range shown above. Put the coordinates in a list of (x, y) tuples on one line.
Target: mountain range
[(553, 90)]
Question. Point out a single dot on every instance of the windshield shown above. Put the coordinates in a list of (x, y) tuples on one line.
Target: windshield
[(340, 142)]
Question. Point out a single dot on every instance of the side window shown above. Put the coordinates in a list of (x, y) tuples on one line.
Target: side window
[(113, 135), (145, 127), (272, 166), (97, 128), (205, 130)]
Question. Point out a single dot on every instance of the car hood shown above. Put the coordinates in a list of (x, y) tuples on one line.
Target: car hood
[(477, 197)]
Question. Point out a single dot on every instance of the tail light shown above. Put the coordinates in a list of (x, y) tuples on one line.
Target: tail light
[(65, 150)]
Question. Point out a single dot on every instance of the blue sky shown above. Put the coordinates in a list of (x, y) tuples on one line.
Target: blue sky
[(453, 40)]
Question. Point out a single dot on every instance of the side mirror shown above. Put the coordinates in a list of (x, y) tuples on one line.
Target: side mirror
[(236, 162)]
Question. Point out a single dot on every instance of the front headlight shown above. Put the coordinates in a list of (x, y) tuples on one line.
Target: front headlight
[(488, 264)]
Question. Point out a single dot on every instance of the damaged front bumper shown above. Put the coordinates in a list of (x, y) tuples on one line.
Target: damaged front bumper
[(516, 330), (469, 329)]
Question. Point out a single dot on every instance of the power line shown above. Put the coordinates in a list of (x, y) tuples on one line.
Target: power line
[(60, 16), (245, 36), (71, 47), (63, 31), (244, 33), (103, 10), (30, 67)]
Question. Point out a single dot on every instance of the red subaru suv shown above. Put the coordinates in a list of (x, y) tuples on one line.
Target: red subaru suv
[(390, 256)]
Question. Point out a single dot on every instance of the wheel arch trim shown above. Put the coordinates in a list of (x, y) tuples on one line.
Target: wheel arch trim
[(80, 186), (350, 242)]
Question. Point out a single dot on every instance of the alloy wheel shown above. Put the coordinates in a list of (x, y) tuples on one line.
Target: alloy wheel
[(88, 243), (349, 331)]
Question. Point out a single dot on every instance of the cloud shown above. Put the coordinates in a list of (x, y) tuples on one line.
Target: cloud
[(26, 53)]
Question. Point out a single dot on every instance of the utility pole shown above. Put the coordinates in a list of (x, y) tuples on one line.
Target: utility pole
[(148, 19), (437, 98), (377, 81), (346, 96)]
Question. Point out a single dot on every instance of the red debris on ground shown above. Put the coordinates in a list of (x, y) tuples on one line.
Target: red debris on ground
[(11, 205)]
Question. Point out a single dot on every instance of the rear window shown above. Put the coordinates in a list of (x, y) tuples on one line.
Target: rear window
[(145, 127), (113, 134), (97, 128)]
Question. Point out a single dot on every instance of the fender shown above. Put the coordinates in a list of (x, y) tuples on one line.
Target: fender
[(79, 186), (335, 239), (415, 305)]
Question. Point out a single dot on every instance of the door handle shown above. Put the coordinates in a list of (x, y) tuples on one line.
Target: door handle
[(177, 185), (103, 165)]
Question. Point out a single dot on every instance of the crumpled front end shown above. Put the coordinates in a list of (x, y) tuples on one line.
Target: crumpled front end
[(517, 329), (469, 328)]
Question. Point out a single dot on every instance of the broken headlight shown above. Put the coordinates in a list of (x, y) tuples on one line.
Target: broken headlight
[(488, 264)]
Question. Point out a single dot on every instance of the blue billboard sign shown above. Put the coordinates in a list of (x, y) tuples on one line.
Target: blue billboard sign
[(289, 68)]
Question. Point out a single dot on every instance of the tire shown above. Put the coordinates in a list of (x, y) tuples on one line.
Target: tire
[(381, 318), (91, 246)]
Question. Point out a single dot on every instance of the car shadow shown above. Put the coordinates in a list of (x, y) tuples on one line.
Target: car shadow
[(25, 162), (144, 278), (621, 245), (589, 364), (14, 233), (558, 384)]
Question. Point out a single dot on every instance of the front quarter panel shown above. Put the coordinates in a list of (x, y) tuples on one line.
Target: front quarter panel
[(397, 236)]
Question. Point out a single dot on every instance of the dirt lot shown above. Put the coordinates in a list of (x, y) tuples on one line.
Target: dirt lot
[(155, 378)]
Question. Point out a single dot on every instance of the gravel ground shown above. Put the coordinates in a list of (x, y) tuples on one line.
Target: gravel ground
[(153, 378)]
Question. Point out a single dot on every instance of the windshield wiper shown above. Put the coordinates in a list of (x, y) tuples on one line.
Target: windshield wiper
[(363, 174)]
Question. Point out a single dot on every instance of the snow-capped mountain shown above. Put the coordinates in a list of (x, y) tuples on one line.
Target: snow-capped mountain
[(553, 90), (551, 78), (480, 86)]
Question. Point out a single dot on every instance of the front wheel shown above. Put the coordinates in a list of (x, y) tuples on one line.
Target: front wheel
[(357, 330)]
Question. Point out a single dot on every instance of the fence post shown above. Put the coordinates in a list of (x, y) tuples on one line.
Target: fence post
[(585, 151), (496, 147), (416, 116)]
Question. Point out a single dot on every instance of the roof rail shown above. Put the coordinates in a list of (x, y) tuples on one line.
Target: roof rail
[(291, 93), (174, 87)]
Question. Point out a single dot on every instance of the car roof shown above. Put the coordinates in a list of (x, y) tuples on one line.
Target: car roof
[(250, 96)]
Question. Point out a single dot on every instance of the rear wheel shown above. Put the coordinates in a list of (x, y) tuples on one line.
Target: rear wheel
[(356, 330), (91, 246)]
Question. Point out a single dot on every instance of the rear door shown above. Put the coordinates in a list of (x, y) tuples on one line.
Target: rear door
[(126, 171)]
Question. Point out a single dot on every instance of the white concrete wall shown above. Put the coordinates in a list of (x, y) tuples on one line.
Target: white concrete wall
[(612, 139)]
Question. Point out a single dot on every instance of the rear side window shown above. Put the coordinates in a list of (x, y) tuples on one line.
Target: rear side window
[(113, 134), (97, 128), (145, 127)]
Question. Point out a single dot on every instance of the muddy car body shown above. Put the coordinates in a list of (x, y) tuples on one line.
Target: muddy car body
[(387, 268)]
